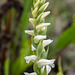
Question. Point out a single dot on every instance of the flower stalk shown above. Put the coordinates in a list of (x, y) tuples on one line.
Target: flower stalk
[(42, 66)]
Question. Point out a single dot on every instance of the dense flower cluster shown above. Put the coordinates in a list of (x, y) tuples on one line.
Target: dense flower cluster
[(42, 66)]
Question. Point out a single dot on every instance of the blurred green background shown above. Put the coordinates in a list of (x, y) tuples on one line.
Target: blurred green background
[(61, 30)]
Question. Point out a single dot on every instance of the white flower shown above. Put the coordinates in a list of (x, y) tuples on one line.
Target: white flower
[(32, 20), (46, 42), (30, 58), (34, 73), (44, 6), (48, 69), (44, 62), (39, 37), (40, 26), (33, 48), (31, 32), (45, 14)]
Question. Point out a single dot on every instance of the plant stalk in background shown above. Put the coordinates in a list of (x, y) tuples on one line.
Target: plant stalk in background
[(42, 66)]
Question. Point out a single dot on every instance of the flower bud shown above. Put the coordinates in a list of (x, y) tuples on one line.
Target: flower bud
[(34, 13), (36, 4), (44, 6)]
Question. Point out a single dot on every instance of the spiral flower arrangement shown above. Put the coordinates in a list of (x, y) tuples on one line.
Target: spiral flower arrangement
[(42, 66)]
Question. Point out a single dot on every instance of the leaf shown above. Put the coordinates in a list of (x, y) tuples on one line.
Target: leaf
[(20, 64), (6, 67), (67, 38)]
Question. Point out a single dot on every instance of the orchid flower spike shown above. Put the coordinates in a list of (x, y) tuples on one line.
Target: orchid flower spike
[(39, 42)]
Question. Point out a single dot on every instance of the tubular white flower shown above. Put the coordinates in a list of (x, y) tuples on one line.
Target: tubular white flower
[(48, 69), (34, 73), (38, 27), (44, 62), (39, 37), (30, 58), (33, 48), (45, 14), (32, 20), (44, 6), (31, 32), (46, 42), (34, 13), (37, 3)]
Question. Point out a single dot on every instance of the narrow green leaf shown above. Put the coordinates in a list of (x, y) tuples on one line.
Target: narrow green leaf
[(20, 65), (6, 67), (67, 38)]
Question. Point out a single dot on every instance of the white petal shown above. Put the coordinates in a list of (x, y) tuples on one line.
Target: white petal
[(43, 62), (48, 68), (26, 73), (34, 73), (39, 37), (33, 48), (38, 27), (46, 42), (32, 20), (45, 14), (44, 6), (31, 32), (30, 58)]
